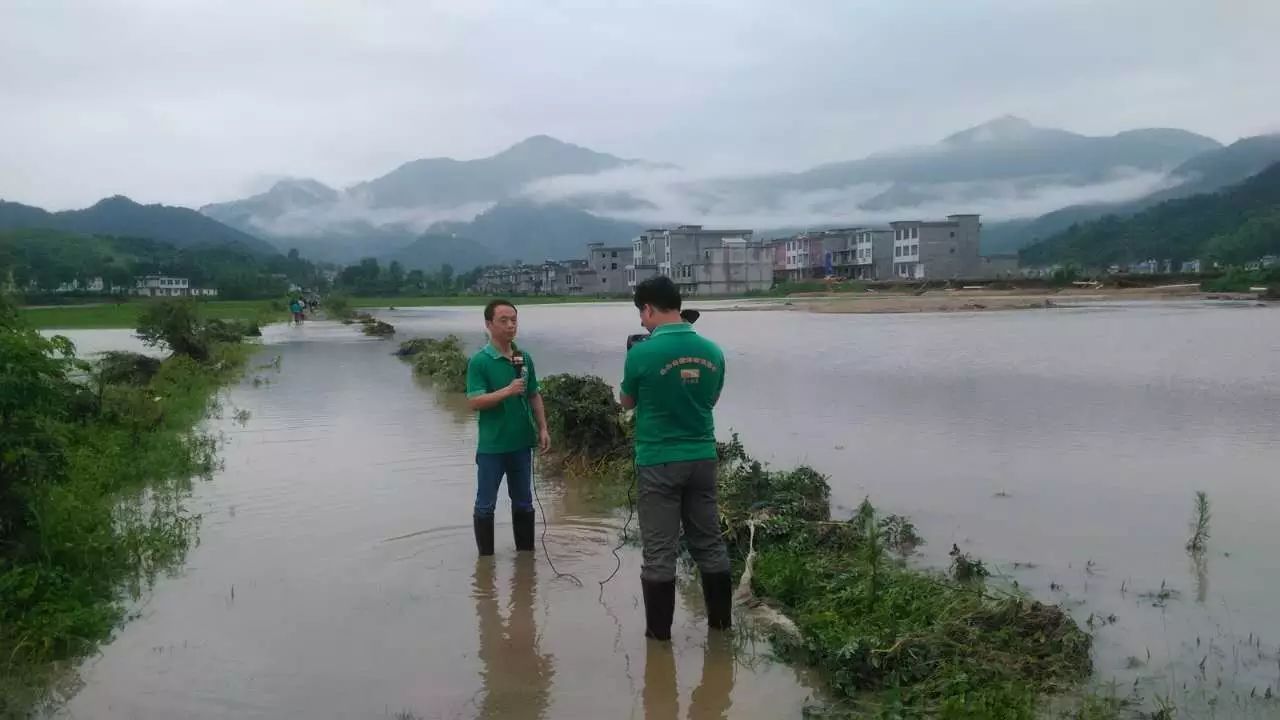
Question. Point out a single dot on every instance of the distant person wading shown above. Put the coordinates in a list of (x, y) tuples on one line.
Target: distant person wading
[(502, 386), (673, 380)]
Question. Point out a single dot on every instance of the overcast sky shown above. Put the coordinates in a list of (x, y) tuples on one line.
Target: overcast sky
[(193, 102)]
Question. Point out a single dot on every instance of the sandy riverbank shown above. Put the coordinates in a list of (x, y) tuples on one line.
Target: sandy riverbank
[(980, 300)]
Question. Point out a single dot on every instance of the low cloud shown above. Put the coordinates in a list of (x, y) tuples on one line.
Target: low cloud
[(669, 196), (351, 215)]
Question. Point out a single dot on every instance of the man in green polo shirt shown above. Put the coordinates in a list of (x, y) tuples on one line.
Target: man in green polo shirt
[(502, 386), (673, 380)]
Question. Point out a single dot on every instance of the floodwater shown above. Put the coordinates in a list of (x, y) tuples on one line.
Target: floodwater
[(336, 575)]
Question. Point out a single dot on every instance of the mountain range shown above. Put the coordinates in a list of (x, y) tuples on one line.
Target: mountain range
[(1236, 225), (543, 198), (120, 216)]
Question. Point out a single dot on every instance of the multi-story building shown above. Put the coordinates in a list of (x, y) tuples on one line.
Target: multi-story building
[(702, 262), (610, 267), (937, 250), (863, 254), (161, 286), (804, 256)]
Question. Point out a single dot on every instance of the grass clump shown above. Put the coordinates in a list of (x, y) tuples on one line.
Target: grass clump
[(441, 360), (1199, 540), (94, 474)]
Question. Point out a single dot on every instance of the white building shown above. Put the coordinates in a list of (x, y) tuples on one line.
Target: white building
[(168, 286), (93, 285)]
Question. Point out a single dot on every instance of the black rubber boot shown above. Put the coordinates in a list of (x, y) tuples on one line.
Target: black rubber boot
[(717, 592), (484, 534), (659, 606), (522, 527)]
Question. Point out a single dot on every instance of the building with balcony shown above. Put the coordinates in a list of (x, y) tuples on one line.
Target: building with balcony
[(702, 261)]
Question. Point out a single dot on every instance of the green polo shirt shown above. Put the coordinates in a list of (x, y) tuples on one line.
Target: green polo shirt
[(675, 377), (507, 426)]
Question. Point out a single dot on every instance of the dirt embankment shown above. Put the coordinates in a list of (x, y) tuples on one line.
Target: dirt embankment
[(980, 300)]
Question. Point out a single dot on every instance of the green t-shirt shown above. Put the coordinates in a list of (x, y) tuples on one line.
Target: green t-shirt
[(507, 426), (675, 377)]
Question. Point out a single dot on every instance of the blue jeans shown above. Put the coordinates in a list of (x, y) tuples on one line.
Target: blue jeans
[(491, 467)]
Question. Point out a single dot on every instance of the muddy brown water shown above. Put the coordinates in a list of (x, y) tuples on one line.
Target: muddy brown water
[(336, 574)]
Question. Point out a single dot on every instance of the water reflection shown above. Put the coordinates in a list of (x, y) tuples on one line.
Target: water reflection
[(661, 694), (1200, 573), (517, 674), (711, 700)]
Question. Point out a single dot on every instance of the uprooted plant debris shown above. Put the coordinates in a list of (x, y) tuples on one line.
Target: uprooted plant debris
[(378, 328), (441, 360), (895, 640)]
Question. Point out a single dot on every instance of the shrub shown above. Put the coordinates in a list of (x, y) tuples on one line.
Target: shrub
[(440, 360), (174, 324)]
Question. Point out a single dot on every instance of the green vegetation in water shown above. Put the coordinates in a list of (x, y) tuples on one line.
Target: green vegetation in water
[(94, 474), (377, 328), (893, 640), (441, 360), (1199, 540)]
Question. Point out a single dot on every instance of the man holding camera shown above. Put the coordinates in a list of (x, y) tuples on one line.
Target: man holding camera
[(673, 379)]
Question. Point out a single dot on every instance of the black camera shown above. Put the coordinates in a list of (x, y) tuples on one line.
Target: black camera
[(689, 316)]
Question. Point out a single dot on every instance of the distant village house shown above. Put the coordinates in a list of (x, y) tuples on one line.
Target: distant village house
[(168, 286)]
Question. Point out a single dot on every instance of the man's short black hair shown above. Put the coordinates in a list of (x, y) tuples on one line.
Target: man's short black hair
[(659, 292), (494, 305)]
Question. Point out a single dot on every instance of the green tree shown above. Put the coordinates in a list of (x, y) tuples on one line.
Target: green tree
[(36, 400), (395, 275), (174, 324)]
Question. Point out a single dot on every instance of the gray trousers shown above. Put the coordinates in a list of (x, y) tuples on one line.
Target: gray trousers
[(672, 495)]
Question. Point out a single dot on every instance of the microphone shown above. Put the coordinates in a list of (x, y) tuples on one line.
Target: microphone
[(517, 362)]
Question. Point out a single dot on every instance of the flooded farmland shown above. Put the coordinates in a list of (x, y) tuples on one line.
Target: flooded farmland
[(336, 575)]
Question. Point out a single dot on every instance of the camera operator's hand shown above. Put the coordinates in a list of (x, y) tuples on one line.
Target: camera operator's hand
[(515, 388)]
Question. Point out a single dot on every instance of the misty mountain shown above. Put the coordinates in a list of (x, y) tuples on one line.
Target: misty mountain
[(528, 201), (1008, 148), (431, 250), (284, 197), (1235, 224), (387, 216), (533, 232), (1205, 173), (123, 217), (444, 182)]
